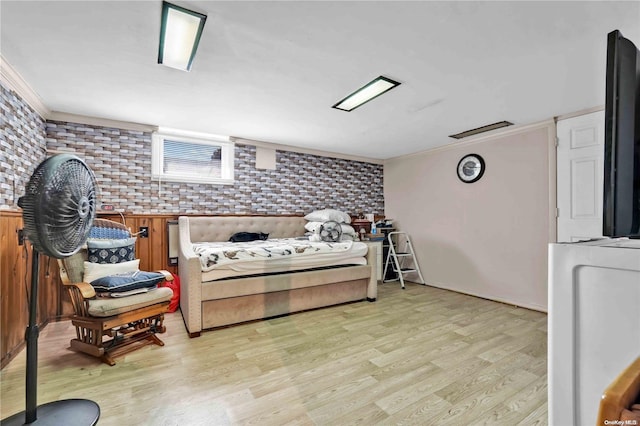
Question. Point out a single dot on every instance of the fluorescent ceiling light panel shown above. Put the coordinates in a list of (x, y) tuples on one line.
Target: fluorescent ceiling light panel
[(487, 128), (180, 33), (369, 91)]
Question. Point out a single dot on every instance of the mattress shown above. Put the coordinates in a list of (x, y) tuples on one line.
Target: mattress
[(225, 259)]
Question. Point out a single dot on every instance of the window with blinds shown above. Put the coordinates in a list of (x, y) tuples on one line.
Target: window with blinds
[(185, 158)]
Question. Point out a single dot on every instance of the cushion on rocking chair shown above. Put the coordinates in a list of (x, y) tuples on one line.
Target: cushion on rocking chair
[(127, 281), (106, 307)]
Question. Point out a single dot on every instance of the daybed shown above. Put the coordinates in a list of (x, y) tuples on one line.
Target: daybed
[(225, 296)]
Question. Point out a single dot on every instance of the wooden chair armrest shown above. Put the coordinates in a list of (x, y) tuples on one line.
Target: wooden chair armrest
[(620, 395), (167, 275), (86, 290)]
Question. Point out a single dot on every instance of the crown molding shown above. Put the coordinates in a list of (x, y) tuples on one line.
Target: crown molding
[(579, 113), (14, 81), (102, 122), (291, 148)]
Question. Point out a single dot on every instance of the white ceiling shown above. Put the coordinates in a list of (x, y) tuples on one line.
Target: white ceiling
[(270, 71)]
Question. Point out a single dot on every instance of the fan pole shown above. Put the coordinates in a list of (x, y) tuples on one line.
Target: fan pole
[(68, 412), (32, 344), (59, 174)]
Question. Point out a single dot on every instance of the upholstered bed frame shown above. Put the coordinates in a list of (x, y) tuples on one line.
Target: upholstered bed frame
[(206, 305)]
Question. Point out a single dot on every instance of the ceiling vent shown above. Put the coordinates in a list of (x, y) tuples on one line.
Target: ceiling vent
[(482, 129)]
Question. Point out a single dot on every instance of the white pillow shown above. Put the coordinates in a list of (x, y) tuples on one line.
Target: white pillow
[(348, 230), (328, 214), (313, 226), (93, 271)]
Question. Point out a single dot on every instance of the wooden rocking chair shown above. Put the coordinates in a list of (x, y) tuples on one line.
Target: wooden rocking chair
[(110, 327)]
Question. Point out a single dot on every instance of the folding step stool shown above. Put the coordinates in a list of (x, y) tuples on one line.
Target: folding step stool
[(401, 257)]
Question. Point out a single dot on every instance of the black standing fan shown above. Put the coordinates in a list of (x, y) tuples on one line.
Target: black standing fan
[(58, 209)]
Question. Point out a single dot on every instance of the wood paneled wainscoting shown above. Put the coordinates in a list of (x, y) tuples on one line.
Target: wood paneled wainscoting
[(15, 286), (54, 302)]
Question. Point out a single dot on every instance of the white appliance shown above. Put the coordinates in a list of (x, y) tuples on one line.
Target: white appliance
[(594, 323)]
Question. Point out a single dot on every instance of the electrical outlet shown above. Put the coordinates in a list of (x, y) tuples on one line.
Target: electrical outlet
[(20, 237), (143, 232)]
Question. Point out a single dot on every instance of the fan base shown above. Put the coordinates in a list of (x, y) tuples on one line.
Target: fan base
[(69, 412)]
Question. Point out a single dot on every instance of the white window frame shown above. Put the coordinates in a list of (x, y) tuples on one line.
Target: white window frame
[(157, 156)]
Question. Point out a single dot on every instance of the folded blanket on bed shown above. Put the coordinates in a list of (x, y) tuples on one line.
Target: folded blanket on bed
[(213, 255)]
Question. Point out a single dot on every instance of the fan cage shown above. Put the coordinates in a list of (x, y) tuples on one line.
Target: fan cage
[(330, 231), (59, 205)]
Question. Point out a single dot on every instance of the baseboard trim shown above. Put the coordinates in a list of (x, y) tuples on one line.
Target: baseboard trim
[(516, 303)]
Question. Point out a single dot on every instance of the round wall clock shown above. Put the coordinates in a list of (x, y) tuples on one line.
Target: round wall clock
[(470, 168)]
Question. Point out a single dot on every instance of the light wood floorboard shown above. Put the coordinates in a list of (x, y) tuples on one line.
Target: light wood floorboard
[(422, 356)]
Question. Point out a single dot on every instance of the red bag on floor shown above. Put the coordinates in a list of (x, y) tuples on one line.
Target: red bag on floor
[(175, 286)]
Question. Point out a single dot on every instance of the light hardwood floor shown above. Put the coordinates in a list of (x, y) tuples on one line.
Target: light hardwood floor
[(422, 356)]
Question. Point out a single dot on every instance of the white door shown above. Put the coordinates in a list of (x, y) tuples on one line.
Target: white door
[(580, 180)]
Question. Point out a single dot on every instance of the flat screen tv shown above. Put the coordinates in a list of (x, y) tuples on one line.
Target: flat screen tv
[(621, 203)]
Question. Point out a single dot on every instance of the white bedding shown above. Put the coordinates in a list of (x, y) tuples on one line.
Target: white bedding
[(224, 259)]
